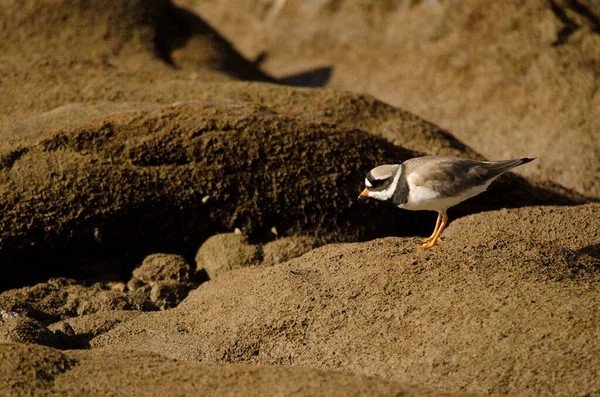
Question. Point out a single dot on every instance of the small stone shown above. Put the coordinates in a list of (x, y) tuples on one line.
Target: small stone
[(6, 316), (205, 199), (97, 235), (224, 252), (117, 286), (163, 267), (66, 338), (64, 328), (237, 231)]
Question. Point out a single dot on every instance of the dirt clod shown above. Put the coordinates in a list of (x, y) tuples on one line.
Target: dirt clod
[(163, 267), (227, 251), (26, 330)]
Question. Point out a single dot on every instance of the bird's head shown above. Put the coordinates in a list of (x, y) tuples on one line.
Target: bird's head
[(381, 182)]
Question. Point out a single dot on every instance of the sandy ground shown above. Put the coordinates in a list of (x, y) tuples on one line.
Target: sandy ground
[(138, 129)]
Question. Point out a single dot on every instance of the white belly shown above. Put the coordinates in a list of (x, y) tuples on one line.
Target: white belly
[(422, 198)]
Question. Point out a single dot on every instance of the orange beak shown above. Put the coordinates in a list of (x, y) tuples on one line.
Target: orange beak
[(365, 193)]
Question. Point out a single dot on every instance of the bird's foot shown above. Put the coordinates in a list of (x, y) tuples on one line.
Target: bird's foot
[(428, 245)]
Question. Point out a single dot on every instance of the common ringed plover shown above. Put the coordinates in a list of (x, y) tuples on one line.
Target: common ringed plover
[(434, 183)]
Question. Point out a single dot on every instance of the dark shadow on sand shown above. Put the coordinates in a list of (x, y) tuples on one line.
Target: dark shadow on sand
[(313, 78)]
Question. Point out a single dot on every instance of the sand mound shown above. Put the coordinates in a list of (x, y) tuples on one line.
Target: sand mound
[(79, 28), (51, 372), (479, 313), (128, 33), (146, 179), (53, 52), (510, 80), (153, 180)]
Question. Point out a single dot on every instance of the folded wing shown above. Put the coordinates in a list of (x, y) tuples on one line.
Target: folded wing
[(450, 176)]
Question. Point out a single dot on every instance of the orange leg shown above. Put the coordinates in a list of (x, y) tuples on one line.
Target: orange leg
[(436, 237), (437, 224)]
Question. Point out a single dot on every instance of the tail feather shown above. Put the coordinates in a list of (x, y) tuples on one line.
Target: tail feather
[(526, 160), (495, 168)]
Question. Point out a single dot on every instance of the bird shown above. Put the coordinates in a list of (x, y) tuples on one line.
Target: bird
[(434, 183)]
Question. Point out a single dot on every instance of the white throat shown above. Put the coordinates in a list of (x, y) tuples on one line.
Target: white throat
[(389, 192)]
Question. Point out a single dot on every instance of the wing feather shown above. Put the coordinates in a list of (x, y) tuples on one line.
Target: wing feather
[(450, 176)]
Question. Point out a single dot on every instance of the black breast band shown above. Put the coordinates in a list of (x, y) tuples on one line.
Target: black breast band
[(402, 190)]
